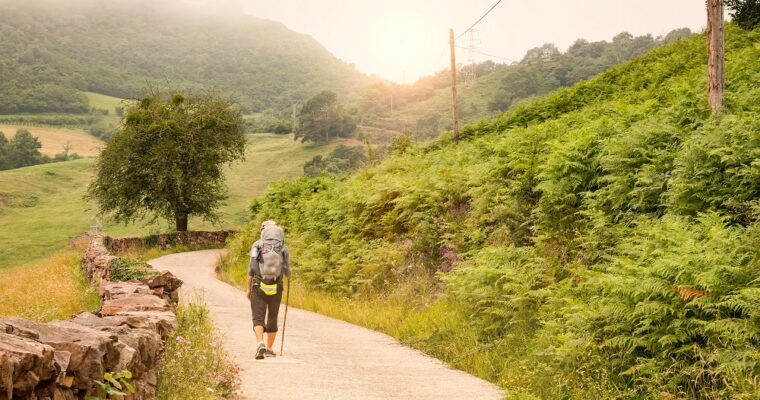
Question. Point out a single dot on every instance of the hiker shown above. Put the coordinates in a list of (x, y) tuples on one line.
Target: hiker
[(269, 262)]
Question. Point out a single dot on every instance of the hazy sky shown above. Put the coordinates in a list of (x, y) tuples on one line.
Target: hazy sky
[(402, 40)]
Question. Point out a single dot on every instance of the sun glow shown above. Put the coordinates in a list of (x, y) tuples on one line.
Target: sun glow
[(404, 49)]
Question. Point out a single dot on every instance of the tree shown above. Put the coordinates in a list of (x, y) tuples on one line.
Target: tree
[(342, 159), (715, 56), (4, 152), (167, 159), (746, 13), (322, 117), (24, 150)]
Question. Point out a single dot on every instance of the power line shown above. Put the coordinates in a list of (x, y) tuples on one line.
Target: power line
[(488, 55), (479, 19)]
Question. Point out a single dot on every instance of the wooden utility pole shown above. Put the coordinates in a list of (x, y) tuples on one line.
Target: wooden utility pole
[(454, 114), (715, 56)]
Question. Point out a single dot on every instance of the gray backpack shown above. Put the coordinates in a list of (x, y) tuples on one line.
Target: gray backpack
[(271, 242)]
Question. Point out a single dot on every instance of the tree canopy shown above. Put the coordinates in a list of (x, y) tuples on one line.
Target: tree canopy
[(746, 13), (322, 117), (167, 160)]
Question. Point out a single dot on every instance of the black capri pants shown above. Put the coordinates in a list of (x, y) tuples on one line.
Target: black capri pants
[(265, 308)]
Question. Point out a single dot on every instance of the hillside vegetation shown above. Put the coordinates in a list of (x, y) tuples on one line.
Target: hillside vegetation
[(487, 89), (41, 207), (52, 51), (598, 242)]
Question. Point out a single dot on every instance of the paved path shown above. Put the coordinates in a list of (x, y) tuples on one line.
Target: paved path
[(324, 358)]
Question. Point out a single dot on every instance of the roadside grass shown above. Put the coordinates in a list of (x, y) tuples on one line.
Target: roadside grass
[(195, 365), (41, 207), (441, 327), (54, 138), (48, 289)]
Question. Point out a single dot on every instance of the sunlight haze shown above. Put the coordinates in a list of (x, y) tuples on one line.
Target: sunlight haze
[(402, 40)]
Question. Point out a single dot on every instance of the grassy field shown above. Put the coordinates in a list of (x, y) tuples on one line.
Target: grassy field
[(62, 291), (41, 207), (54, 138), (103, 102)]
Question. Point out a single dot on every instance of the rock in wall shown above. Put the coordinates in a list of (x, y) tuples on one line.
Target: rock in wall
[(61, 360)]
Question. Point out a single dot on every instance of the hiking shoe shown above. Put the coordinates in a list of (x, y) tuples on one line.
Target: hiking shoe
[(270, 353), (261, 351)]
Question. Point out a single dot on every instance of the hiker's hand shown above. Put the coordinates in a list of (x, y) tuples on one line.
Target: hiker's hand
[(248, 294)]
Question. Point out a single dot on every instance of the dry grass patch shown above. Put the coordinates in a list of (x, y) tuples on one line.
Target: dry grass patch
[(53, 139), (53, 288)]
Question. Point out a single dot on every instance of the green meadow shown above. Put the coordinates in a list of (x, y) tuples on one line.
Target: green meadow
[(42, 207)]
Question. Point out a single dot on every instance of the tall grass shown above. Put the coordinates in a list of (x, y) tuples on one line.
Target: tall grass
[(195, 365), (53, 288)]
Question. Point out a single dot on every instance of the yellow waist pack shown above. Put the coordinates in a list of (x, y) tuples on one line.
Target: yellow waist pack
[(269, 290)]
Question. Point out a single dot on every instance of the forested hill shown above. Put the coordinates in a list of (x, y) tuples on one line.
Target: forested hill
[(51, 50)]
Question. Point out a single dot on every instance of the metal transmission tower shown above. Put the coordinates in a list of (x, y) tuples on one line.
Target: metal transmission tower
[(472, 49)]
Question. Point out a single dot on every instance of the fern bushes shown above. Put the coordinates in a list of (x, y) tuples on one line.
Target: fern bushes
[(719, 169), (680, 306)]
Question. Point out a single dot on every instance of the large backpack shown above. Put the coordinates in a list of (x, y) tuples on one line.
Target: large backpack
[(271, 242)]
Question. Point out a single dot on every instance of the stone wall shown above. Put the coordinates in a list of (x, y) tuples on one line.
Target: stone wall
[(204, 239), (61, 360)]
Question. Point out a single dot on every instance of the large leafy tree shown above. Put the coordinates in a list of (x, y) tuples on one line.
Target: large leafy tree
[(167, 159), (322, 118)]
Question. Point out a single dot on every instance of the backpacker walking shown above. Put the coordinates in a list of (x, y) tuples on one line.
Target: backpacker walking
[(270, 261)]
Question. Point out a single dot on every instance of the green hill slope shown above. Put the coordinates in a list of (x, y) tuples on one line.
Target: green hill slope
[(598, 242), (51, 50)]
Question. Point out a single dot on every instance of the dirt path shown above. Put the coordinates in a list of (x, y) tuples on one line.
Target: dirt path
[(324, 358)]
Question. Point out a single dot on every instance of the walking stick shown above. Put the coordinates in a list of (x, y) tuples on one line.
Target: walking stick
[(285, 319)]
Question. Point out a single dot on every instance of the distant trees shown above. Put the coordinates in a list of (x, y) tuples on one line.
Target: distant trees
[(746, 13), (322, 118), (22, 150), (168, 158), (342, 159), (545, 68)]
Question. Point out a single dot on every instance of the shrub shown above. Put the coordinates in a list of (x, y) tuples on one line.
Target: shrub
[(126, 269), (195, 365)]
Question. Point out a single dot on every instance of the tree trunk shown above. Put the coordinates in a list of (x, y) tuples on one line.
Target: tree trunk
[(181, 222), (715, 56)]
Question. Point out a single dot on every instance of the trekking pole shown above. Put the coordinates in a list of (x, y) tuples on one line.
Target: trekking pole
[(285, 319)]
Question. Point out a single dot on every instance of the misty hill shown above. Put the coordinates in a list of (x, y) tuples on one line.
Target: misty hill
[(52, 50), (489, 88)]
